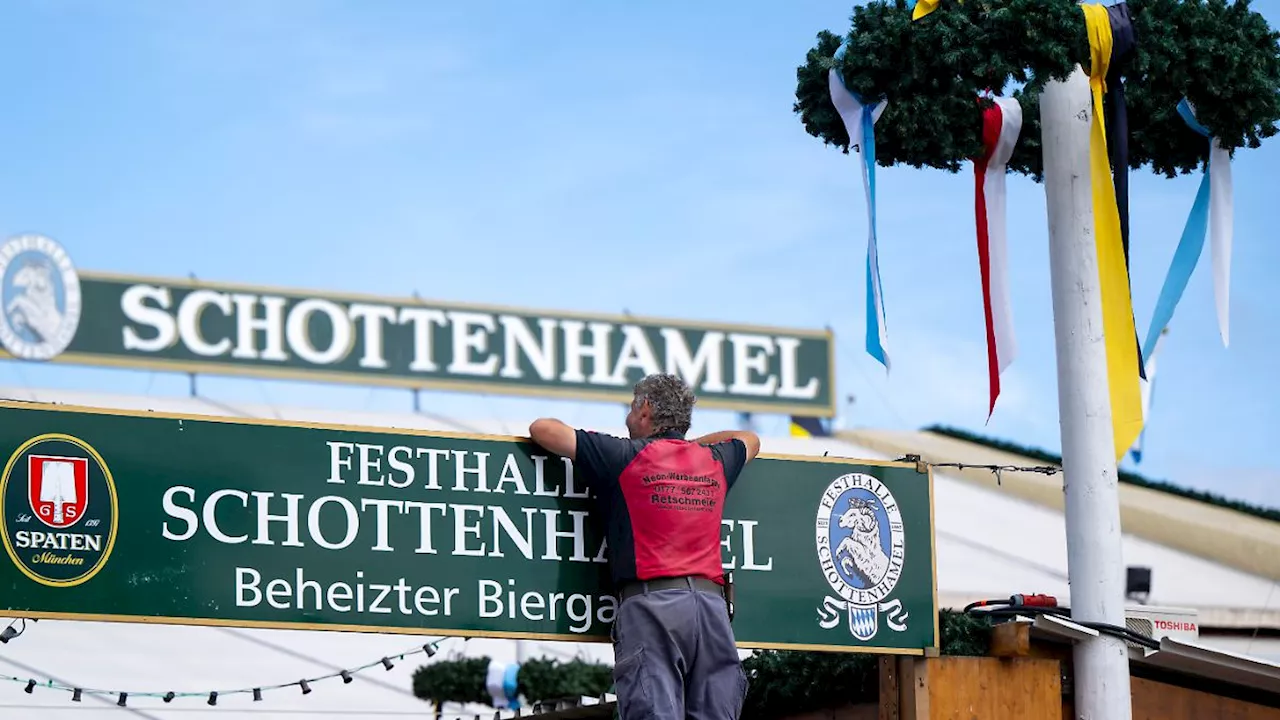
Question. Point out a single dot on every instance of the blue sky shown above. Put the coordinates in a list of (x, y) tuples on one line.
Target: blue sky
[(592, 157)]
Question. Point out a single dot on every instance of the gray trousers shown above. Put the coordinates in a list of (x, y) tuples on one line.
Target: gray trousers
[(675, 658)]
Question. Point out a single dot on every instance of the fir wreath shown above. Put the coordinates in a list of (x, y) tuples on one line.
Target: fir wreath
[(1221, 56)]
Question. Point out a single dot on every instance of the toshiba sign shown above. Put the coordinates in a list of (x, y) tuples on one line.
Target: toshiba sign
[(1175, 625), (1163, 622)]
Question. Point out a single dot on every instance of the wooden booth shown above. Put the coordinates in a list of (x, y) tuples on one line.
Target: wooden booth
[(1027, 675)]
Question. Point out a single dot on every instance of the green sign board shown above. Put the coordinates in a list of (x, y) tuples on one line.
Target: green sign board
[(148, 517), (53, 312)]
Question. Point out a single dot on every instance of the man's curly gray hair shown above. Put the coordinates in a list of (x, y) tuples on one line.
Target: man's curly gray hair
[(670, 400)]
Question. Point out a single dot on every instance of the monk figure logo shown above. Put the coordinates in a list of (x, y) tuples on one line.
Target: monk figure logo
[(861, 549), (39, 298), (58, 510)]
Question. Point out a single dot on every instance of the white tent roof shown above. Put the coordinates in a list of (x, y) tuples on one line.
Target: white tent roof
[(988, 544)]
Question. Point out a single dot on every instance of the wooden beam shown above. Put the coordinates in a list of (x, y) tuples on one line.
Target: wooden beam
[(890, 689), (1011, 639), (913, 677)]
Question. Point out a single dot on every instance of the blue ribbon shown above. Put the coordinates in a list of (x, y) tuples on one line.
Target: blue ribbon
[(510, 686), (1187, 255), (875, 296), (875, 323)]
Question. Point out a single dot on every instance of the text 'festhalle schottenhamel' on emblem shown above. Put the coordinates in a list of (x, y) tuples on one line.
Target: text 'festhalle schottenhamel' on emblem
[(861, 548), (58, 510)]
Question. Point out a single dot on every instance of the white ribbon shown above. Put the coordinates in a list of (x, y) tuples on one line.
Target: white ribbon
[(1221, 230), (500, 681), (1148, 389)]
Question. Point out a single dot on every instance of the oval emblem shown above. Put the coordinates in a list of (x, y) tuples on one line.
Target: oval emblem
[(39, 298), (861, 542), (58, 510)]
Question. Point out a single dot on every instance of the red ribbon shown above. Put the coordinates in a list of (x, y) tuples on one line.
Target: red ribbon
[(1001, 124)]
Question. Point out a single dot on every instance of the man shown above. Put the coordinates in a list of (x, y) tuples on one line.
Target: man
[(662, 498)]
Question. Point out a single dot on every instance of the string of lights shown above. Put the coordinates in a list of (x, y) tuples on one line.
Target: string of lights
[(9, 632), (211, 696), (243, 712)]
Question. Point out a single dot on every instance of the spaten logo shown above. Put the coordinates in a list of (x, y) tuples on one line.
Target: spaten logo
[(39, 298), (58, 510), (861, 548)]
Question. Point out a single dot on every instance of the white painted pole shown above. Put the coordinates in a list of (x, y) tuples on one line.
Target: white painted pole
[(1095, 563)]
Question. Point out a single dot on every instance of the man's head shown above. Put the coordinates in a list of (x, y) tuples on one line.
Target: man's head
[(663, 403)]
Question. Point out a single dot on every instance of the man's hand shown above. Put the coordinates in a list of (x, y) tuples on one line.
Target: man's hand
[(748, 438), (554, 436)]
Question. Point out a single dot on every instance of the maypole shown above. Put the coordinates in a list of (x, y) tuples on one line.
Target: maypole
[(1074, 95), (1094, 553)]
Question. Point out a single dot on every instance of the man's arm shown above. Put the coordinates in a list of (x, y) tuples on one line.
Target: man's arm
[(554, 436), (749, 439)]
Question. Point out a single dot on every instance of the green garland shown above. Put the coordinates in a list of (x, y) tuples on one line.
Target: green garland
[(456, 681), (550, 680), (463, 680), (1132, 478), (1220, 55), (783, 682), (787, 682)]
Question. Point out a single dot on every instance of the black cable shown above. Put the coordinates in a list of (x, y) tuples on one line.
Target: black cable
[(1009, 609), (997, 469), (994, 469), (1122, 632), (968, 609)]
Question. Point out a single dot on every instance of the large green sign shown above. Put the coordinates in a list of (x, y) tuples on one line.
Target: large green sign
[(51, 312), (147, 517)]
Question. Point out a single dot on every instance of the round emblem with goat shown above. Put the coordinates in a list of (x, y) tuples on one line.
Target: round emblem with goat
[(39, 298), (860, 539)]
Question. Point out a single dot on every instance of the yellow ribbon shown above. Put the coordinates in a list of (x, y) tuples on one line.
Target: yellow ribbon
[(1113, 275), (924, 7)]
